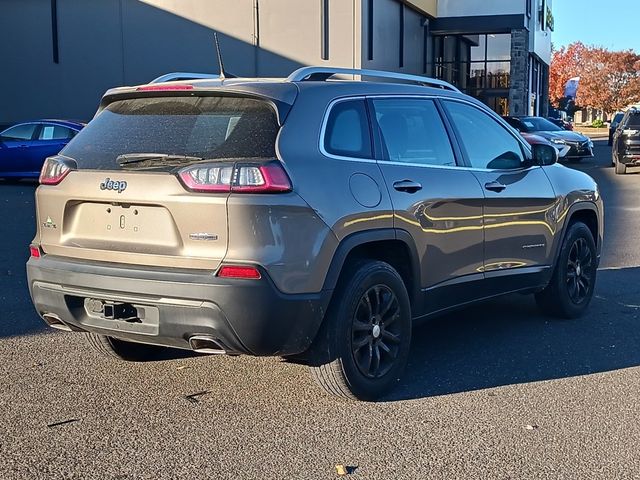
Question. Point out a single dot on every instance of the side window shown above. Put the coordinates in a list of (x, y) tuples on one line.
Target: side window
[(55, 132), (20, 132), (633, 122), (413, 132), (347, 132), (486, 143)]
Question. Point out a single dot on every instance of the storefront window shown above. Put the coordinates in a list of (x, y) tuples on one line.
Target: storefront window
[(480, 65), (499, 47)]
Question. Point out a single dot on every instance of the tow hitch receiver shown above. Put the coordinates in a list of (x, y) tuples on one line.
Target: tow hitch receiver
[(112, 310)]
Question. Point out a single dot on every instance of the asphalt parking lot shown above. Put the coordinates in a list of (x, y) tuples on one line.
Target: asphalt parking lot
[(494, 391)]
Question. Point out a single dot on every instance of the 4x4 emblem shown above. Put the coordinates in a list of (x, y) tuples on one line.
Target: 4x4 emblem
[(116, 185)]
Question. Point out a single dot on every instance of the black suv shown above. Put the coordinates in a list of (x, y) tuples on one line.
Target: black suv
[(626, 142)]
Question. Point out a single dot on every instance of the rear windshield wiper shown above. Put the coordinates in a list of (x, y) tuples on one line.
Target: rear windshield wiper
[(154, 159)]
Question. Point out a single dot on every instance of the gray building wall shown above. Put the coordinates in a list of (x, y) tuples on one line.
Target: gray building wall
[(107, 43), (386, 54)]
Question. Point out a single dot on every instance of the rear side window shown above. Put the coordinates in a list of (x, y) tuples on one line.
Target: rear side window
[(55, 132), (347, 131), (212, 127), (413, 132)]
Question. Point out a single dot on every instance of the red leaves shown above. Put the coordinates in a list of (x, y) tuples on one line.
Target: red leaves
[(609, 80)]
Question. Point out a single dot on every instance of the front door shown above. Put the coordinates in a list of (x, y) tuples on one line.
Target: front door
[(435, 200), (14, 151), (519, 203)]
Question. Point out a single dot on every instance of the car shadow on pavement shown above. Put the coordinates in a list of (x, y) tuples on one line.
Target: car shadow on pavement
[(508, 341)]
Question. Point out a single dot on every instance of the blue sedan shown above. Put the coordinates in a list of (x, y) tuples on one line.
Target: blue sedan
[(24, 147)]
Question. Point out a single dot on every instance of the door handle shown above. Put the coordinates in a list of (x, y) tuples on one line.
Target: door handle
[(408, 186), (495, 186)]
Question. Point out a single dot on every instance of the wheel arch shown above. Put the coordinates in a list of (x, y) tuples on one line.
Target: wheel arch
[(587, 213), (392, 246)]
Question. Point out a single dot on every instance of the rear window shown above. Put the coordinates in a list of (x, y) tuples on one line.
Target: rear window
[(214, 127)]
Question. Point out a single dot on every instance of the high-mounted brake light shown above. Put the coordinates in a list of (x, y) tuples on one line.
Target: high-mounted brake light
[(53, 171), (239, 271), (163, 88), (241, 177)]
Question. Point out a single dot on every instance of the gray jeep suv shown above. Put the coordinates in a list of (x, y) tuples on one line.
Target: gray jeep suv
[(311, 218)]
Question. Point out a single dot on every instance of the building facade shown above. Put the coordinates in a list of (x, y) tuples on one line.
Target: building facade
[(61, 55)]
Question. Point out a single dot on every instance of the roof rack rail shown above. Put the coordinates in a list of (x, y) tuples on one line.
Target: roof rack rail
[(175, 76), (324, 73)]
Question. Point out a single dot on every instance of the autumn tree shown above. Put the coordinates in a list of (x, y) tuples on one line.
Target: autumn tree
[(565, 64), (609, 81)]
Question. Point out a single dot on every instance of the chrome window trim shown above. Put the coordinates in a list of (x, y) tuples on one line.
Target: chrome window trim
[(426, 96), (323, 130)]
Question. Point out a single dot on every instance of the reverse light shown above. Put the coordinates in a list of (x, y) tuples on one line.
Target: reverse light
[(53, 171), (240, 177), (239, 271)]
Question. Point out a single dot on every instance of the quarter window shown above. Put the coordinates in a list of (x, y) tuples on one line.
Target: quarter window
[(486, 143), (413, 132), (347, 132), (19, 132)]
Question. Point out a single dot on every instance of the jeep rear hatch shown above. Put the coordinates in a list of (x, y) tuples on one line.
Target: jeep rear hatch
[(147, 181)]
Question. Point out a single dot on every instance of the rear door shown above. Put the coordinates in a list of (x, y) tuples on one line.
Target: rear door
[(50, 139), (519, 202), (117, 207), (436, 201)]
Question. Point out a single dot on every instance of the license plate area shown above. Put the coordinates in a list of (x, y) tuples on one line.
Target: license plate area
[(114, 310), (121, 227)]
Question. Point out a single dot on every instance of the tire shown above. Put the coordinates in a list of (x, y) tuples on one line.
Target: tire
[(122, 350), (621, 168), (358, 332), (571, 287)]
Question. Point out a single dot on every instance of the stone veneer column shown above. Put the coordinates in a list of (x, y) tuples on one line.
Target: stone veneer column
[(518, 93), (544, 105)]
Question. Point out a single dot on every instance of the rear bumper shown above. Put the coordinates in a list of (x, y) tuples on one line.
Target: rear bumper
[(630, 159), (244, 316)]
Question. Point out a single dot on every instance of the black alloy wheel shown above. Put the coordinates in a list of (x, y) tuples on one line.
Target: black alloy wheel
[(376, 336), (579, 271)]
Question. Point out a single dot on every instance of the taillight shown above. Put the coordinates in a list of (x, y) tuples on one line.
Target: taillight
[(238, 177), (53, 171), (239, 271), (35, 251)]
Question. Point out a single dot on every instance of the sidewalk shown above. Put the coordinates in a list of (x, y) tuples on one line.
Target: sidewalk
[(592, 132)]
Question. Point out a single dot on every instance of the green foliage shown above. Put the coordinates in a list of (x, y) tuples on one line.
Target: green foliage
[(597, 123)]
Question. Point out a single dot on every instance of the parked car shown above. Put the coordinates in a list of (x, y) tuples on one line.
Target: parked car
[(579, 145), (615, 121), (24, 147), (563, 124), (533, 139), (626, 142), (308, 219)]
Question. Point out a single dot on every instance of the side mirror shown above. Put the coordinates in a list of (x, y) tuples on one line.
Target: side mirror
[(544, 155)]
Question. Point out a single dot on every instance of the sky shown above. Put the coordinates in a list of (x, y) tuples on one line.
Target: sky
[(613, 24)]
